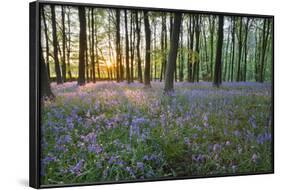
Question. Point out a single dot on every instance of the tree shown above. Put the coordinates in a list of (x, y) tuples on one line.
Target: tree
[(169, 74), (190, 51), (82, 45), (127, 49), (138, 29), (55, 44), (233, 48), (44, 79), (132, 45), (63, 68), (240, 40), (212, 29), (163, 46), (265, 34), (218, 66), (147, 50), (93, 47), (196, 56), (246, 49), (69, 45), (118, 48), (226, 56), (46, 40)]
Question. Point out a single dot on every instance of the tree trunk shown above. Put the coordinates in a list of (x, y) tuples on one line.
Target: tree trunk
[(196, 61), (45, 89), (163, 58), (265, 34), (233, 48), (181, 56), (127, 49), (69, 46), (63, 68), (169, 74), (47, 42), (212, 28), (93, 47), (118, 56), (218, 68), (147, 50), (225, 57), (138, 48), (190, 51), (246, 49), (132, 35), (55, 44), (238, 76), (82, 46)]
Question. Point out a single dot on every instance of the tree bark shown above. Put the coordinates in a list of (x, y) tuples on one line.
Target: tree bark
[(147, 50), (118, 56), (47, 42), (82, 46), (55, 44), (69, 45), (169, 74), (218, 68), (127, 49), (63, 68), (138, 29), (45, 89)]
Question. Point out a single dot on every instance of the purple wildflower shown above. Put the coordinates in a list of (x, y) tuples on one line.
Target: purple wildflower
[(77, 168)]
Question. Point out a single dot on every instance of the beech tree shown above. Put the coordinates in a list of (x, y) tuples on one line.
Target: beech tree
[(82, 45), (169, 74), (218, 66)]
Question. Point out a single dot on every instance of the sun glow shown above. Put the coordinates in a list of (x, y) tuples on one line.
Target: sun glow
[(108, 64)]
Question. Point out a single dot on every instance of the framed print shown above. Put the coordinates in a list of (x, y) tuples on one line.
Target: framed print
[(131, 94)]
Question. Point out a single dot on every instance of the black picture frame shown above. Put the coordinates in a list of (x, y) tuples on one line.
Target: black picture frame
[(34, 90)]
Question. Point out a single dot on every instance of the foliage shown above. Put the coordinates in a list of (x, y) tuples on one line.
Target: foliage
[(115, 131)]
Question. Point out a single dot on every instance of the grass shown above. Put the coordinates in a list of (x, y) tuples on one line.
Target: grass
[(114, 131)]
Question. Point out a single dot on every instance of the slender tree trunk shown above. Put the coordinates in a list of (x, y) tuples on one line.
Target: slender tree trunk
[(190, 54), (82, 46), (226, 56), (93, 47), (44, 79), (47, 42), (138, 48), (55, 44), (181, 55), (132, 35), (218, 68), (127, 49), (265, 34), (163, 58), (154, 54), (212, 28), (196, 61), (69, 45), (246, 49), (147, 50), (233, 48), (96, 48), (118, 56), (169, 83), (238, 76), (63, 68), (206, 52)]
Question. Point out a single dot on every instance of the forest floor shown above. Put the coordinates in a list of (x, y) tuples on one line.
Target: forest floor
[(114, 131)]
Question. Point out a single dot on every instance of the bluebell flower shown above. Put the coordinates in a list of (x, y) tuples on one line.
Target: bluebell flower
[(77, 168)]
